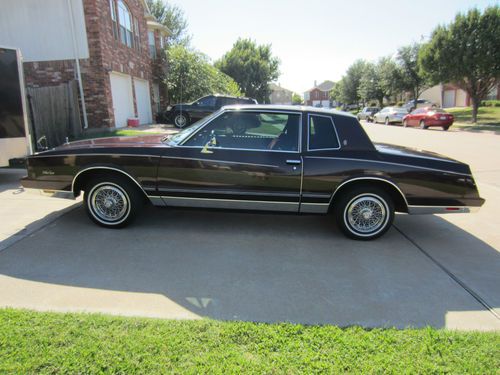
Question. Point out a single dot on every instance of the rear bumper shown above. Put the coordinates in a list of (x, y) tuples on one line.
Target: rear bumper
[(439, 122)]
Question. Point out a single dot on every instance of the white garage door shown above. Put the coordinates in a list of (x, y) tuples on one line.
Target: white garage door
[(123, 103), (449, 99), (143, 101)]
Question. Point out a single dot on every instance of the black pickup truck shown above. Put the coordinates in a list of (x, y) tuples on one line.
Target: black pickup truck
[(185, 114)]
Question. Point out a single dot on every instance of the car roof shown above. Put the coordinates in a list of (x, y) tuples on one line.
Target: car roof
[(289, 108)]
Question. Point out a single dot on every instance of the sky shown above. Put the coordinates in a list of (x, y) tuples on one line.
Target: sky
[(317, 40)]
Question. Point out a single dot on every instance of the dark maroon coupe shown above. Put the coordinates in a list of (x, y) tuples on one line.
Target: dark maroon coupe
[(278, 158)]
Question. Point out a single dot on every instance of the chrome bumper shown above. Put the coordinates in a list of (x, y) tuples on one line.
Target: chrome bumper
[(51, 193), (425, 210)]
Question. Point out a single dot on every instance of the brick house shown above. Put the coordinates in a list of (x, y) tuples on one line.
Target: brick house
[(319, 95), (119, 46)]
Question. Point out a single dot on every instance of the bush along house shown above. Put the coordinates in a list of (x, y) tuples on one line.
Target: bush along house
[(111, 50)]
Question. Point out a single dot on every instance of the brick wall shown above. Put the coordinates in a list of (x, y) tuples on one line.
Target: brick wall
[(106, 54)]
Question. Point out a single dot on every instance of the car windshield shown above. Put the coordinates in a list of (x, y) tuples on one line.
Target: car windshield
[(174, 140)]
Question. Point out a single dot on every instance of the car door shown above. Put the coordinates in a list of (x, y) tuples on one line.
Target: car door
[(239, 159), (203, 107)]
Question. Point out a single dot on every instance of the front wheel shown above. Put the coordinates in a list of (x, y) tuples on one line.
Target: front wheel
[(181, 120), (364, 213), (422, 125), (405, 123), (112, 202), (387, 120)]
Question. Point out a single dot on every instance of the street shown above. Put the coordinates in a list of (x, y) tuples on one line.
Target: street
[(442, 271)]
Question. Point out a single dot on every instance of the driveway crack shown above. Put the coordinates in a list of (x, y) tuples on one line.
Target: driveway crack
[(455, 278)]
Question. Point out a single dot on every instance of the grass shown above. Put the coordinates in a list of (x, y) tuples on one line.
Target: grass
[(488, 118), (33, 342)]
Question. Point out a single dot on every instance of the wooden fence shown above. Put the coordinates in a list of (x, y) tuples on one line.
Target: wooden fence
[(54, 113)]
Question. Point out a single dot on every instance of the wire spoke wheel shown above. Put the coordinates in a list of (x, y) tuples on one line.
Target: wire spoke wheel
[(366, 214), (109, 203)]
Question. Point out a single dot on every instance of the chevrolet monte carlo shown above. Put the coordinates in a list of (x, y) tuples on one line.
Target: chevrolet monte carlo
[(260, 157)]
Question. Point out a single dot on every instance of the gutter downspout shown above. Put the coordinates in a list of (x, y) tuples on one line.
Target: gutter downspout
[(77, 63)]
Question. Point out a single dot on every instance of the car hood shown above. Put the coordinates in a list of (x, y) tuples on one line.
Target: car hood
[(428, 159), (111, 142)]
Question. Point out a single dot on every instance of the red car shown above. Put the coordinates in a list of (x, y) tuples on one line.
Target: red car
[(426, 117)]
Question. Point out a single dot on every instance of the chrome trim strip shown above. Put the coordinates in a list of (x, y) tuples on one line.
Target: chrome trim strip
[(156, 201), (219, 161), (228, 192), (309, 132), (369, 178), (224, 110), (314, 208), (231, 204), (108, 168), (428, 210), (388, 162), (96, 154)]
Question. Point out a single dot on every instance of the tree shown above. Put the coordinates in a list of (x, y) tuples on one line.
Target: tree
[(351, 82), (172, 17), (412, 76), (192, 76), (337, 93), (252, 66), (297, 99), (369, 85), (466, 53), (389, 77)]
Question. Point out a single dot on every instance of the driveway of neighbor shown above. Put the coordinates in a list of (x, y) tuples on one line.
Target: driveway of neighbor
[(442, 271)]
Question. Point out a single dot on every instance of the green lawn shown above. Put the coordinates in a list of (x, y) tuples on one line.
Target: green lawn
[(32, 342), (488, 118)]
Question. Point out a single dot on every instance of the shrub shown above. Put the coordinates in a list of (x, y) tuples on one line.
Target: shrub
[(490, 103)]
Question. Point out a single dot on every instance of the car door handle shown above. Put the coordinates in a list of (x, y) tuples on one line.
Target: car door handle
[(292, 161)]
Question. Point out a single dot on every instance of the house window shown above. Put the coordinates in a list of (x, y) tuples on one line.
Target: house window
[(114, 24), (125, 20), (137, 37), (151, 43)]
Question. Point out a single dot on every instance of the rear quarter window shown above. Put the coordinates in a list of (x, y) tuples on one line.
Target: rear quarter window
[(322, 133)]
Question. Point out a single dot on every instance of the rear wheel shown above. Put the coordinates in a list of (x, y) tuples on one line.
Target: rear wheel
[(112, 201), (422, 125), (445, 128), (364, 213)]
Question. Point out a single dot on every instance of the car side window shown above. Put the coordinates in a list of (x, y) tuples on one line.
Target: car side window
[(250, 131), (208, 101), (322, 134)]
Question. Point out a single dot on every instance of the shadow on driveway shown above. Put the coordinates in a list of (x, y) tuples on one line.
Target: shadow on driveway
[(248, 266)]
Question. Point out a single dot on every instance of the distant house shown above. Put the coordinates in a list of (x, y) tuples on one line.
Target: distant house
[(319, 95), (280, 95), (449, 95), (116, 43)]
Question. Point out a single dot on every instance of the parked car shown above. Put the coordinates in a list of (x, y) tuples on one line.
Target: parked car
[(185, 114), (367, 113), (276, 158), (419, 103), (426, 117), (390, 115)]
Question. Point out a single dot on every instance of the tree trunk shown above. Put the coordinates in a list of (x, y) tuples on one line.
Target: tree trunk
[(475, 107)]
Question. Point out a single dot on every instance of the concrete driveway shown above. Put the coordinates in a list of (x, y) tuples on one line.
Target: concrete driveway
[(186, 264)]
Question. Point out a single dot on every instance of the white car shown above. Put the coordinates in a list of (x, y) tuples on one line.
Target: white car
[(390, 115)]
